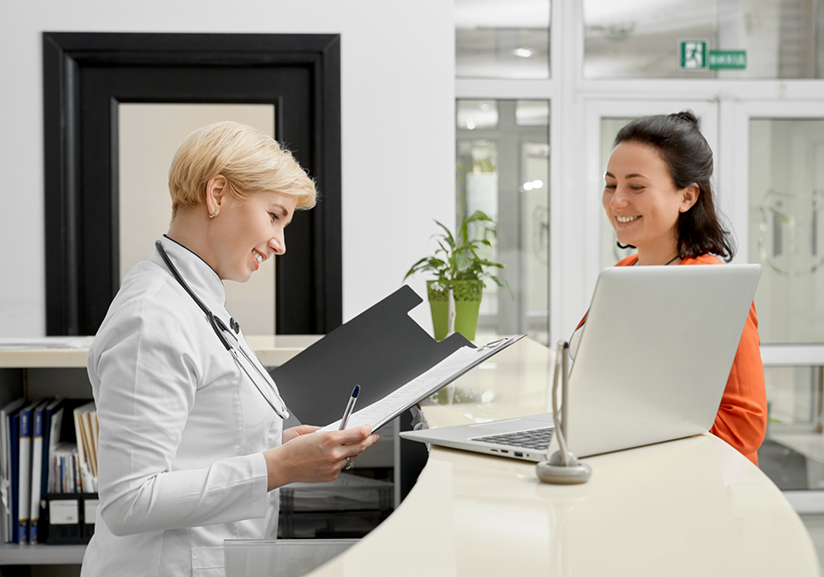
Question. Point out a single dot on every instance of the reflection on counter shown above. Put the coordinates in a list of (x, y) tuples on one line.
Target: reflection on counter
[(348, 507)]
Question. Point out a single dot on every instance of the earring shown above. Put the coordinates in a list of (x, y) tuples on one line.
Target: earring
[(214, 214)]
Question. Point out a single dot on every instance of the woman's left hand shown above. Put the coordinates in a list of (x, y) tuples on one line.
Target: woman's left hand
[(296, 432)]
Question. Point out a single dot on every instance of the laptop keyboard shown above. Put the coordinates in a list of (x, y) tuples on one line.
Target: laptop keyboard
[(533, 439)]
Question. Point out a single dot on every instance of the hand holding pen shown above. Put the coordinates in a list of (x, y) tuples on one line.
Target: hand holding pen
[(316, 457)]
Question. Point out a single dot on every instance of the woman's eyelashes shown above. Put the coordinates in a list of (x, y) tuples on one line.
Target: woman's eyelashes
[(632, 187), (274, 217)]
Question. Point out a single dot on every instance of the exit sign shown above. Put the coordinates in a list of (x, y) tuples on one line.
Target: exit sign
[(727, 60), (693, 55)]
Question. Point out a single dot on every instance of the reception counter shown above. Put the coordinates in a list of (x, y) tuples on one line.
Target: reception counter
[(689, 507)]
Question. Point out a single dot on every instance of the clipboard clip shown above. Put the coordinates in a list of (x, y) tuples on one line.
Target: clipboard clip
[(494, 344)]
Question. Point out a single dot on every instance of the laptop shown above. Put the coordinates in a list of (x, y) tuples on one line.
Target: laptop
[(653, 361)]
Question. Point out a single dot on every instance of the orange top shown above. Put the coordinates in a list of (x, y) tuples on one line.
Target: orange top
[(742, 417)]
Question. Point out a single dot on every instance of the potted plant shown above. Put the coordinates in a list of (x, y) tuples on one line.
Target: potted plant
[(460, 269)]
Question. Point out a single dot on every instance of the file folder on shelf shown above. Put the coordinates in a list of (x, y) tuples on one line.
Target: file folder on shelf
[(68, 518)]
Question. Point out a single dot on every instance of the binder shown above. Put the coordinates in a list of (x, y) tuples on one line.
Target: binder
[(6, 508), (24, 474), (36, 469), (52, 425), (380, 349), (14, 477)]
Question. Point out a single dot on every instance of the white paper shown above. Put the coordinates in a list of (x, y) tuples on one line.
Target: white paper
[(64, 512), (381, 412), (90, 511)]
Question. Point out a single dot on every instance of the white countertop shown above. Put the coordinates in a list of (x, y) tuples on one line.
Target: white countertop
[(689, 507)]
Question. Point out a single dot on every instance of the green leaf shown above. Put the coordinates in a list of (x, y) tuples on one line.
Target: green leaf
[(447, 235), (463, 262), (461, 255), (479, 216), (415, 267)]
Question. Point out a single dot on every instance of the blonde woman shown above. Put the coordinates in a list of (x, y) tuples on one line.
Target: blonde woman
[(192, 446)]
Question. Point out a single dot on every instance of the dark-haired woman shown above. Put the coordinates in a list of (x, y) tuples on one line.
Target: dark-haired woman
[(658, 198)]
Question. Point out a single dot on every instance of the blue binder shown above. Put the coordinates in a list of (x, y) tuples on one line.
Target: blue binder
[(48, 413)]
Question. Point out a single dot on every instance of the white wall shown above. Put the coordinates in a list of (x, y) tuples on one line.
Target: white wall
[(398, 127)]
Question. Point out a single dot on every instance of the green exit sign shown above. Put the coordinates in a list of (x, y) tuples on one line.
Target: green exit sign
[(727, 60), (693, 55)]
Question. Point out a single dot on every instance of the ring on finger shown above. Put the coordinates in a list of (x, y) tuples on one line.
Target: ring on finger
[(348, 464)]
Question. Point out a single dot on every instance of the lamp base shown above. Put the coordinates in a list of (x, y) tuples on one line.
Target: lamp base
[(555, 472)]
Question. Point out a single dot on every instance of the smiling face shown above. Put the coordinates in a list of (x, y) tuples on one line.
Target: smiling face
[(247, 232), (642, 202)]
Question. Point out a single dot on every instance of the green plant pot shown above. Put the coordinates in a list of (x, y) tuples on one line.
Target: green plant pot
[(467, 295)]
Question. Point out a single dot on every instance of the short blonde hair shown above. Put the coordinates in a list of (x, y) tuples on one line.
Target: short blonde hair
[(250, 161)]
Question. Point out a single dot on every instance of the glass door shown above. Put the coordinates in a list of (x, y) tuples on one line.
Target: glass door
[(502, 169), (778, 161)]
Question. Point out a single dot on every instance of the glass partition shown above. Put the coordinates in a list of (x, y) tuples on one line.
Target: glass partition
[(792, 454), (642, 39), (502, 38), (786, 192), (786, 219), (503, 170)]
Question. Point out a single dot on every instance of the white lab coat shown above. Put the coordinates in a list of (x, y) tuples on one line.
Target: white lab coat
[(182, 430)]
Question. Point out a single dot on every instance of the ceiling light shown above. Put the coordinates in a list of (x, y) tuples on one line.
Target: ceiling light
[(523, 52)]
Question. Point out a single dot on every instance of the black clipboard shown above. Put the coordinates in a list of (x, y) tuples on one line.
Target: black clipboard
[(381, 349), (425, 385)]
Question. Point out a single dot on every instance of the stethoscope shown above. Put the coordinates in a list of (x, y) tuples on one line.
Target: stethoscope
[(227, 338)]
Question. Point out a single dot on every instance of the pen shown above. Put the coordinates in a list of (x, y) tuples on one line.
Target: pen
[(349, 406)]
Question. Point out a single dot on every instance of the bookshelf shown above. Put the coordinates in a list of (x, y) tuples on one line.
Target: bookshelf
[(36, 368)]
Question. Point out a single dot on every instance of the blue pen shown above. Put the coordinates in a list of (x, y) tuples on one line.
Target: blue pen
[(349, 406)]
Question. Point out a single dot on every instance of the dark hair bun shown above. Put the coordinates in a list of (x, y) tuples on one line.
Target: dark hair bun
[(686, 115)]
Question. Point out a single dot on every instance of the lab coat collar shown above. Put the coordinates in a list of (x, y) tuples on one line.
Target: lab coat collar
[(201, 277)]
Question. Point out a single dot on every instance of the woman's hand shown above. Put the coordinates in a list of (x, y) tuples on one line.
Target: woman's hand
[(317, 457), (296, 432)]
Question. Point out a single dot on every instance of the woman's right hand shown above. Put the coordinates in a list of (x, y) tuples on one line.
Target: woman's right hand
[(317, 457)]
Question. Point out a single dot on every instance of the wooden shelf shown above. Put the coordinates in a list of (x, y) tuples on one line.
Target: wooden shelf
[(41, 554)]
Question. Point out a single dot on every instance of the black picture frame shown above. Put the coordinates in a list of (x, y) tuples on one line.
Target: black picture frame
[(86, 76)]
